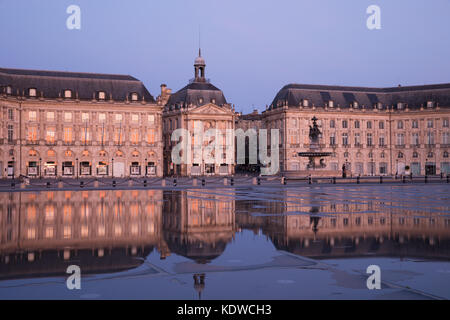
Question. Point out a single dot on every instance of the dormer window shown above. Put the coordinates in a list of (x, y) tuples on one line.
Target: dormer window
[(379, 105), (355, 104), (134, 96), (213, 101), (67, 94), (32, 92), (331, 103), (400, 106), (8, 90), (200, 100), (430, 104), (305, 102), (101, 95)]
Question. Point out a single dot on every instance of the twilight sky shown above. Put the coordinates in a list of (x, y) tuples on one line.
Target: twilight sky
[(252, 47)]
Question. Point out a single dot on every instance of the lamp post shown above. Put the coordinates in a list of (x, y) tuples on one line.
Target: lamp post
[(40, 175), (13, 167), (76, 166), (112, 167), (145, 164)]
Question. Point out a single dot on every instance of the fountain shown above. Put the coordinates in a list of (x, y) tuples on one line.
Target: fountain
[(316, 166)]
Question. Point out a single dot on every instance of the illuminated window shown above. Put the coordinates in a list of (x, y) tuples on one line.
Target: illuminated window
[(85, 153), (68, 153), (67, 94), (68, 134), (134, 96), (49, 213), (118, 117), (119, 154), (102, 153), (150, 136), (49, 231), (151, 119), (67, 116), (32, 134), (51, 153), (134, 136), (102, 117), (84, 117), (50, 116), (50, 135), (101, 95), (32, 153), (135, 118), (67, 232), (32, 92), (85, 135), (32, 116)]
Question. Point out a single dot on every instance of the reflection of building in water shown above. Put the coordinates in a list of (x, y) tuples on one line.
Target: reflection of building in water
[(42, 233), (198, 226), (349, 229)]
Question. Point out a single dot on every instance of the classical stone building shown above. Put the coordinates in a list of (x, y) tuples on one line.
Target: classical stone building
[(370, 131), (65, 124), (198, 106)]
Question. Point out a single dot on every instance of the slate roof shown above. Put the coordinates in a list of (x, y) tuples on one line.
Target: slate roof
[(342, 96), (53, 84), (193, 92)]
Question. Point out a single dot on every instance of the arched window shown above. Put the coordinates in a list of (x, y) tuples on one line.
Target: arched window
[(445, 154), (430, 154), (415, 154), (85, 153), (135, 154), (119, 153), (400, 124), (32, 153), (102, 153), (51, 153), (68, 153), (400, 155)]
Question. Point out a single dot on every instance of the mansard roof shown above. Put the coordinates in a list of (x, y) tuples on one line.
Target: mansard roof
[(52, 84), (345, 96)]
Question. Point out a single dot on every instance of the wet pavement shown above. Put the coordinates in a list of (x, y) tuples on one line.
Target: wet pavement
[(257, 242)]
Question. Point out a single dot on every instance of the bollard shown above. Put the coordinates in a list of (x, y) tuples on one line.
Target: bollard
[(381, 179), (81, 184), (403, 179), (203, 182), (357, 179), (426, 179), (194, 182), (174, 182), (232, 181), (48, 184), (145, 183), (259, 181), (309, 180), (114, 183)]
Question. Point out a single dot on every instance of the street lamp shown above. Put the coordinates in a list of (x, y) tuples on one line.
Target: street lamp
[(40, 175), (112, 167), (145, 164), (13, 167), (76, 166)]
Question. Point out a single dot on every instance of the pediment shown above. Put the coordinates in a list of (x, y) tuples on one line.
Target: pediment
[(211, 109)]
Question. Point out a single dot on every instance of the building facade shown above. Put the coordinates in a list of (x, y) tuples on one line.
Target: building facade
[(198, 106), (370, 131), (63, 124)]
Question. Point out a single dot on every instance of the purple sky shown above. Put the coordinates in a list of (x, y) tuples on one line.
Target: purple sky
[(252, 48)]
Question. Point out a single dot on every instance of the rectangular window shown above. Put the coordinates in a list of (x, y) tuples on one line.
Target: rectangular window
[(135, 118), (118, 117), (68, 136), (50, 136), (415, 124), (357, 139), (430, 123), (369, 124), (10, 133), (381, 141), (134, 136), (400, 124), (400, 139), (415, 139), (85, 135), (67, 116), (345, 139), (446, 138), (32, 134), (102, 117), (430, 138), (50, 116), (118, 136), (151, 136), (32, 116), (369, 140), (151, 119), (84, 117), (344, 124), (381, 125), (11, 114), (332, 140), (445, 123)]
